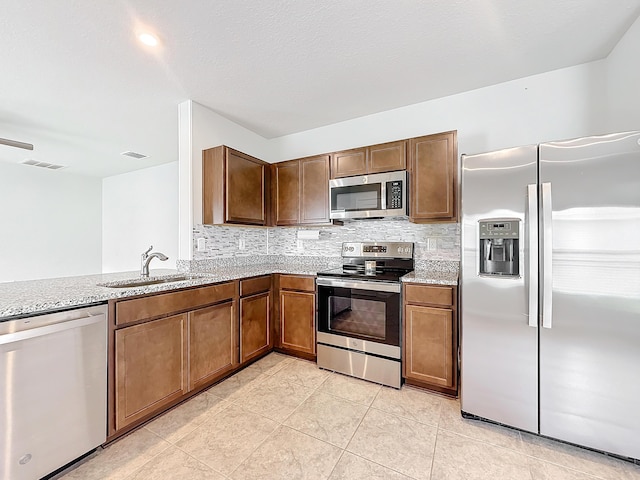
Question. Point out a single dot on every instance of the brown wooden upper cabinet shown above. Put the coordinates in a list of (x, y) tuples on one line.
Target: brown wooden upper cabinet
[(234, 187), (386, 157), (301, 191), (433, 178)]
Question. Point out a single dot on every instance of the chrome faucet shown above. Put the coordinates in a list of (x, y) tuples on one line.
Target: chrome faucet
[(146, 259)]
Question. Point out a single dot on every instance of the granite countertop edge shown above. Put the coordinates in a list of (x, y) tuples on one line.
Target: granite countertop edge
[(34, 297)]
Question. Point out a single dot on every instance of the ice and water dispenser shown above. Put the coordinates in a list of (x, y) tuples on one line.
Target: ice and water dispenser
[(499, 247)]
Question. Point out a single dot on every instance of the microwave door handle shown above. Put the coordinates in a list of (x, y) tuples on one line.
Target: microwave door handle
[(383, 195)]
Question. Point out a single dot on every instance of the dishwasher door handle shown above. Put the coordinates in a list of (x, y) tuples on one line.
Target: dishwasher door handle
[(49, 329)]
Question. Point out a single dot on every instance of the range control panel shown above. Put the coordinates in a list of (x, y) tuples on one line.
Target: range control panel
[(378, 249)]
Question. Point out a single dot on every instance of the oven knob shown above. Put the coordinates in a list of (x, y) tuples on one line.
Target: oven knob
[(399, 249), (351, 249)]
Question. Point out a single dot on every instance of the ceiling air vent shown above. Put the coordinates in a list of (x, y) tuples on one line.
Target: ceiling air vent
[(134, 155), (50, 166)]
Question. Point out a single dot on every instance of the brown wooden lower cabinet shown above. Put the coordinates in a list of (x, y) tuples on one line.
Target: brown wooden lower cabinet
[(430, 348), (297, 312), (158, 361), (149, 362), (255, 335), (213, 343)]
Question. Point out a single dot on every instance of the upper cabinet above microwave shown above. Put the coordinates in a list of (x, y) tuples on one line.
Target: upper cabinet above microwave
[(235, 188), (385, 157)]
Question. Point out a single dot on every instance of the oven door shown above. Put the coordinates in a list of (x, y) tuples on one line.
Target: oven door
[(366, 310)]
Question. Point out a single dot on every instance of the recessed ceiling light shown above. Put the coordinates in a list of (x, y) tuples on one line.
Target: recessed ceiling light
[(149, 39)]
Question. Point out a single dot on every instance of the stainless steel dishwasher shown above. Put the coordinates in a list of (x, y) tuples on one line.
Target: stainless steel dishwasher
[(53, 395)]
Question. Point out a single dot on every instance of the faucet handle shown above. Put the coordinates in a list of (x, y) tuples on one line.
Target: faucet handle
[(147, 252)]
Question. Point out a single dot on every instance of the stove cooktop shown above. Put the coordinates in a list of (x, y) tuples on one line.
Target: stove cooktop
[(380, 275), (391, 260)]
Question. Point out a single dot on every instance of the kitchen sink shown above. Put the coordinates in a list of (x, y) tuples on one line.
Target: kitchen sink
[(141, 282)]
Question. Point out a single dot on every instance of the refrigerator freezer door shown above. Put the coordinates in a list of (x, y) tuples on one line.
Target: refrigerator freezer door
[(499, 349), (589, 358)]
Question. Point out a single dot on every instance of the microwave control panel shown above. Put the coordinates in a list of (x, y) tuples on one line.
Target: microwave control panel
[(394, 194)]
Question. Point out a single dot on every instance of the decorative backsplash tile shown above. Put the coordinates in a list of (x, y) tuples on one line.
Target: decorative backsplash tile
[(223, 242)]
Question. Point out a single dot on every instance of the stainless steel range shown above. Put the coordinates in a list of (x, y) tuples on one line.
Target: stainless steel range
[(360, 311)]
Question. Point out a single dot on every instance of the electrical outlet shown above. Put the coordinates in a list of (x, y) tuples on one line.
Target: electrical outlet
[(202, 244), (241, 244), (432, 244)]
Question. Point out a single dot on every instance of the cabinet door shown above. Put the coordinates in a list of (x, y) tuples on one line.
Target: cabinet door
[(245, 188), (349, 163), (297, 321), (255, 337), (314, 191), (387, 157), (429, 353), (433, 165), (150, 367), (213, 343), (287, 192)]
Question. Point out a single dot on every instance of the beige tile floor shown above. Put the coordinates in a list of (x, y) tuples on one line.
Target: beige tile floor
[(283, 418)]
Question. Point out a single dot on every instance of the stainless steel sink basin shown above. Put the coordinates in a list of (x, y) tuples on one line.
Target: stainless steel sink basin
[(142, 282)]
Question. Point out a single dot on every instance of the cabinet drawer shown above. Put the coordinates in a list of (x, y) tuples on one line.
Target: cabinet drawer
[(428, 294), (255, 285), (294, 282), (166, 303)]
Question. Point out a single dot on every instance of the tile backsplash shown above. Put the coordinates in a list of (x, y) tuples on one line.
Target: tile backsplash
[(224, 241)]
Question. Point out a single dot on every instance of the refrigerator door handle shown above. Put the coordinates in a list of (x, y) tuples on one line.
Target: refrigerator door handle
[(547, 244), (532, 238)]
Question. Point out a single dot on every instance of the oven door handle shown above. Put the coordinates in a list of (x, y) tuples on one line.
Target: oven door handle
[(359, 285)]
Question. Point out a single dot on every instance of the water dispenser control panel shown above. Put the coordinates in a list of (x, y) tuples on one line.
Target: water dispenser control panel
[(499, 229), (499, 247)]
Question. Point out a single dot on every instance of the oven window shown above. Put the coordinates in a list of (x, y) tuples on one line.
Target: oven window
[(364, 314), (363, 317), (357, 197)]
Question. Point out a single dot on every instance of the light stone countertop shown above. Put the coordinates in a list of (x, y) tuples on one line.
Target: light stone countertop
[(31, 297), (24, 298), (434, 273)]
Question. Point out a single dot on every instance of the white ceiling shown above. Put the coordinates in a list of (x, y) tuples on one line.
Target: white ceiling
[(77, 84)]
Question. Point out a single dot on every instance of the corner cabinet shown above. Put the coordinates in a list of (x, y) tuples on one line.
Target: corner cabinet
[(300, 191), (235, 188), (430, 344), (296, 309), (167, 346), (433, 168)]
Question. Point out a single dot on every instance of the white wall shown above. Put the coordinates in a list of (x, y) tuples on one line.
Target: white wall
[(623, 82), (140, 209), (50, 223), (201, 128), (592, 98), (550, 106)]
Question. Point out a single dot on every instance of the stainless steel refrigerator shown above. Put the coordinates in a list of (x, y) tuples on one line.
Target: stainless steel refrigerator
[(550, 290)]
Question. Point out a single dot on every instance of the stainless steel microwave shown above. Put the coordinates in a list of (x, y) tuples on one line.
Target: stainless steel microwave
[(369, 196)]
